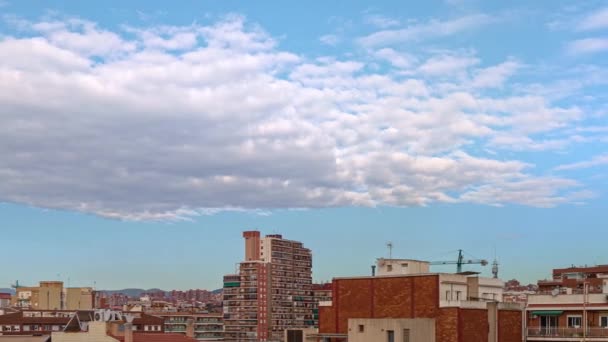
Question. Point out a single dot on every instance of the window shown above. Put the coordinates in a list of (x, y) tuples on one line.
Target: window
[(458, 295), (405, 264), (361, 328), (447, 295), (406, 335), (390, 336), (389, 268), (575, 321), (604, 321)]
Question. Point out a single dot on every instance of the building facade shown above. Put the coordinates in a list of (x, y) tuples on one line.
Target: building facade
[(428, 306), (573, 306), (272, 291), (45, 322), (51, 295), (572, 279), (201, 326)]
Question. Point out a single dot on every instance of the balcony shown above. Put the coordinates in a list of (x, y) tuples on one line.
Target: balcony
[(550, 334)]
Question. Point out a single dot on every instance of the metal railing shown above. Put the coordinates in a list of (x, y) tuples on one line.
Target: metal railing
[(567, 332)]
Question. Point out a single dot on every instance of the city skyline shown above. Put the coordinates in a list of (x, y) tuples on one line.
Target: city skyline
[(138, 141)]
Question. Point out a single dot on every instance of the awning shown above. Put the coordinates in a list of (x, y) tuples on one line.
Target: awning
[(547, 313)]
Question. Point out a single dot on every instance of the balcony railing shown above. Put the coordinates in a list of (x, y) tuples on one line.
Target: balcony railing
[(568, 332)]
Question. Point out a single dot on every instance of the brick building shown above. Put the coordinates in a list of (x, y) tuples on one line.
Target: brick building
[(439, 307), (272, 291), (571, 307), (574, 277)]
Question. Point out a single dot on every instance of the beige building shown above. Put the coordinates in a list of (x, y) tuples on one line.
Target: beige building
[(51, 295), (79, 298), (391, 330)]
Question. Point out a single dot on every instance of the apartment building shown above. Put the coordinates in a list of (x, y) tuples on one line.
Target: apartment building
[(573, 306), (272, 291), (51, 295), (574, 278), (402, 305), (201, 326)]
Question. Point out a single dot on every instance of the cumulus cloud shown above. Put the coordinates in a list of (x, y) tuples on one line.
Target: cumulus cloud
[(164, 123)]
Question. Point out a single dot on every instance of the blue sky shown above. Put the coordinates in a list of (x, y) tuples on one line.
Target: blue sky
[(138, 140)]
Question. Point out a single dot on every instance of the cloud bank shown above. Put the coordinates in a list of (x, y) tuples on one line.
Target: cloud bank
[(169, 122)]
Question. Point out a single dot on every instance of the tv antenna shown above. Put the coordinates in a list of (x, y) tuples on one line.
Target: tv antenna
[(389, 245)]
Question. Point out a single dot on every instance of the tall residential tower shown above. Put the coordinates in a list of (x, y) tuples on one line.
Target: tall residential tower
[(272, 291)]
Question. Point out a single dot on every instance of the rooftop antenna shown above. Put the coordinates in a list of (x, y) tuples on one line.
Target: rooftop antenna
[(389, 245)]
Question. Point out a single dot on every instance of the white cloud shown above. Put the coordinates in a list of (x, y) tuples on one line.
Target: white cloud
[(330, 39), (588, 45), (172, 127), (431, 29), (397, 59), (447, 64), (595, 21), (495, 76), (596, 161)]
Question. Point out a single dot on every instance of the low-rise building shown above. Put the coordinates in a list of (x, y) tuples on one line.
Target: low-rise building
[(44, 322), (432, 307), (567, 316)]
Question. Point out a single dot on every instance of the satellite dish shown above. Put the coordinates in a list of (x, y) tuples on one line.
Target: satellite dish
[(555, 292)]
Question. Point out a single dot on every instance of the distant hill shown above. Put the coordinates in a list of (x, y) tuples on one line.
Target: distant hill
[(5, 290), (217, 291)]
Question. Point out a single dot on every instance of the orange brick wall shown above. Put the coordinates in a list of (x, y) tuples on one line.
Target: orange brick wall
[(398, 297), (446, 328), (393, 298), (473, 325), (509, 326), (426, 296), (327, 318), (352, 299)]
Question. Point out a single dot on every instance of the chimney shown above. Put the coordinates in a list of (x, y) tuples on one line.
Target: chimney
[(189, 328), (128, 332), (373, 270)]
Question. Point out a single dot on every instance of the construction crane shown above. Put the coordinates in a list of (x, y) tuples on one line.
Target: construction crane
[(461, 261)]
